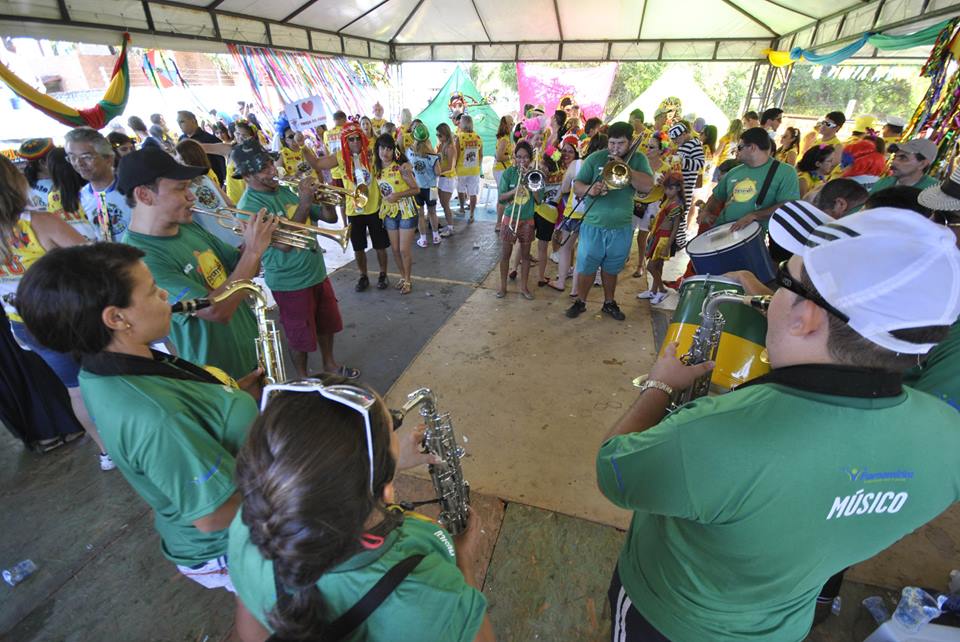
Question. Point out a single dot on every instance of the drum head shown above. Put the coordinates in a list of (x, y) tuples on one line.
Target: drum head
[(721, 238), (710, 278)]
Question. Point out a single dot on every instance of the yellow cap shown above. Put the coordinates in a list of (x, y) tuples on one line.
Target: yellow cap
[(863, 123)]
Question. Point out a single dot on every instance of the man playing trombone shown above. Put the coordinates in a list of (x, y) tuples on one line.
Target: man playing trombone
[(607, 181), (189, 262), (297, 276)]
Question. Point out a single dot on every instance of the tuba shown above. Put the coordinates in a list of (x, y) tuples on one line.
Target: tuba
[(453, 492), (269, 352), (706, 342)]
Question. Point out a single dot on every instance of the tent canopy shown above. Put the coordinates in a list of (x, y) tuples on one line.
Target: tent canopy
[(485, 120), (476, 30), (679, 82)]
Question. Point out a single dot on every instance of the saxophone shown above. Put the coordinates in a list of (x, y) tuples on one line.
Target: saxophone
[(706, 341), (453, 492), (269, 353)]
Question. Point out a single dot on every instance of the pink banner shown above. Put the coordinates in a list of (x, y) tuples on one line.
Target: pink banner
[(543, 85)]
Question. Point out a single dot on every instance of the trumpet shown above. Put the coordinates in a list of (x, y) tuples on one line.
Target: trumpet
[(297, 235), (331, 194), (529, 182)]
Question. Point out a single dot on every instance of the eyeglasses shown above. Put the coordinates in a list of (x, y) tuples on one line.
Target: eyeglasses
[(350, 396), (786, 281), (85, 159)]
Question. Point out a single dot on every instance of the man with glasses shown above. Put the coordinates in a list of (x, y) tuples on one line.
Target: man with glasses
[(753, 190), (190, 128), (91, 154), (734, 496), (909, 167), (828, 129), (356, 167)]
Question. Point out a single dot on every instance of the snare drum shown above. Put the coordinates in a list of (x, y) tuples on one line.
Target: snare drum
[(740, 356), (720, 250)]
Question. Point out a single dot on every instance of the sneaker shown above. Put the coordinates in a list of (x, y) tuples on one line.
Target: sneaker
[(446, 231), (382, 282), (363, 283), (576, 309), (436, 238), (106, 463), (646, 294), (422, 241), (659, 298), (554, 257), (611, 308)]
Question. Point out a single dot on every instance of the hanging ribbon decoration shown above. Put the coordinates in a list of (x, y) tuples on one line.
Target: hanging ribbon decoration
[(112, 104), (882, 41)]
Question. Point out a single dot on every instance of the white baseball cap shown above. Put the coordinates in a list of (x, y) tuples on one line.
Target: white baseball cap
[(886, 269)]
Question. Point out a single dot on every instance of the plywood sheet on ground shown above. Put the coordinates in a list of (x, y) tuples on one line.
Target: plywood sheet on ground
[(533, 393)]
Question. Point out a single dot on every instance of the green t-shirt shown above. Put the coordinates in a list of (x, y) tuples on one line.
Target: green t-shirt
[(175, 442), (189, 265), (508, 181), (745, 504), (615, 210), (940, 373), (432, 603), (739, 189), (890, 181), (286, 271)]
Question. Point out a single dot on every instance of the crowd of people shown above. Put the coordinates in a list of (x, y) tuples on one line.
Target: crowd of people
[(103, 236)]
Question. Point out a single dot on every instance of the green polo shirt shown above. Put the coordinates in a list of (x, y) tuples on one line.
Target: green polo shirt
[(174, 441), (432, 603), (746, 503), (190, 265), (891, 181), (739, 189), (615, 209), (940, 373), (293, 270), (508, 181)]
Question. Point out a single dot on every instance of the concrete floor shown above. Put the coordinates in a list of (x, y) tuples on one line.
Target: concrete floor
[(101, 575)]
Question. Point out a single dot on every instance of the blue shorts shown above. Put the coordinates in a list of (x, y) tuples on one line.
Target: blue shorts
[(65, 367), (603, 248), (393, 223)]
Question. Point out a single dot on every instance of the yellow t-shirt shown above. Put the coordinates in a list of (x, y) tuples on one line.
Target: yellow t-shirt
[(26, 250), (499, 166), (332, 140), (364, 177), (377, 123), (235, 186), (391, 180), (468, 157), (294, 164)]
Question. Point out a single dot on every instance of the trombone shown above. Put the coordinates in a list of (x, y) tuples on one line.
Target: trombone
[(530, 182), (331, 194), (301, 236)]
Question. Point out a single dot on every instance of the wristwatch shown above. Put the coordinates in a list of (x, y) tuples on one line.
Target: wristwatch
[(659, 385)]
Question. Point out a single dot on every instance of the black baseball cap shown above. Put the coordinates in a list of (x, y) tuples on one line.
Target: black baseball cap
[(144, 166), (250, 157)]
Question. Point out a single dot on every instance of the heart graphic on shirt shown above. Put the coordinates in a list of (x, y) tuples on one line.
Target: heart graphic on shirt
[(308, 107)]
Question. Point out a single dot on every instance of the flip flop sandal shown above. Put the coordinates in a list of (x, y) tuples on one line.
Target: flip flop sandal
[(552, 286), (46, 445), (399, 285), (500, 295), (407, 287), (527, 296)]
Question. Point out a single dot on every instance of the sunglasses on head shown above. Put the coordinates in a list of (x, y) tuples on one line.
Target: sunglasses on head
[(787, 282)]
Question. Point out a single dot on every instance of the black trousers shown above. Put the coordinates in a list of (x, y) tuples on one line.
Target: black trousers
[(627, 625)]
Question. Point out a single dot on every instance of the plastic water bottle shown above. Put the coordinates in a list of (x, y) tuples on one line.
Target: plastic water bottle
[(16, 574), (954, 581), (877, 608), (916, 608)]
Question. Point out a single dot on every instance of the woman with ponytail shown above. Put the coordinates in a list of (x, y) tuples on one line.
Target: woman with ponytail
[(318, 528)]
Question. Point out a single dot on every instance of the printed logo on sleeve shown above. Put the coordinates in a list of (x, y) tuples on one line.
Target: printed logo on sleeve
[(442, 536), (211, 268)]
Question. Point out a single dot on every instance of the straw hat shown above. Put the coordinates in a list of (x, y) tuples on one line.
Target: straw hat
[(944, 197)]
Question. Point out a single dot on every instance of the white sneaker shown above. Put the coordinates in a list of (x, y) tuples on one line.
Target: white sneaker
[(436, 238), (422, 241), (659, 298), (446, 231), (106, 463), (554, 257), (646, 294)]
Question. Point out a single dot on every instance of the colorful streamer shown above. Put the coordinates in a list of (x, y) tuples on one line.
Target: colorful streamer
[(881, 41), (112, 104)]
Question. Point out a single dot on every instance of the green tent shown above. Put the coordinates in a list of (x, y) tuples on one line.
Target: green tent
[(485, 120)]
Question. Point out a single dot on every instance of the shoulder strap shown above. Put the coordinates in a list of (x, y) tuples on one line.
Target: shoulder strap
[(766, 184), (359, 612)]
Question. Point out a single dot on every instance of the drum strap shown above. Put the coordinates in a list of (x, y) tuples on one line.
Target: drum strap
[(766, 184)]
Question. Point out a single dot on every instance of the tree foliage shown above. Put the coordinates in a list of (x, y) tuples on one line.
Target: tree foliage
[(814, 92), (631, 80)]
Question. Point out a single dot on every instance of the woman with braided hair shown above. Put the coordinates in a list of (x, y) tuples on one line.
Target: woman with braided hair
[(317, 527)]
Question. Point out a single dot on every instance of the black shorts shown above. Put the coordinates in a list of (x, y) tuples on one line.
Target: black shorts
[(423, 198), (627, 623), (359, 224), (544, 228)]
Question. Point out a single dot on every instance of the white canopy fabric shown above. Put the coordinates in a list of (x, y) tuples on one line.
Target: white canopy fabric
[(475, 30), (679, 82)]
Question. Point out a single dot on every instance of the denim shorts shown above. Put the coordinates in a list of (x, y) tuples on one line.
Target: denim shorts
[(65, 367), (392, 223), (605, 248)]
